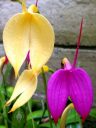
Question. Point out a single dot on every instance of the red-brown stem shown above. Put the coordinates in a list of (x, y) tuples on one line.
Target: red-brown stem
[(6, 60), (36, 3), (78, 44)]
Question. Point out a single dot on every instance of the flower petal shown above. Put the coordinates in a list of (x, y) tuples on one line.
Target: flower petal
[(57, 93), (26, 95), (26, 86), (41, 41), (16, 39), (81, 92)]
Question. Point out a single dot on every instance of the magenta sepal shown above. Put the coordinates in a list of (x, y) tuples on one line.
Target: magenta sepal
[(73, 83)]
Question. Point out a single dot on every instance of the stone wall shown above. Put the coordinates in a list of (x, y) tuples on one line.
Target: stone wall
[(65, 15), (86, 60)]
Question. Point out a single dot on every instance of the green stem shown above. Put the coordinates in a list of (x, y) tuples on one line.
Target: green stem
[(29, 107), (3, 99), (45, 87), (4, 85), (5, 117), (42, 115), (51, 71)]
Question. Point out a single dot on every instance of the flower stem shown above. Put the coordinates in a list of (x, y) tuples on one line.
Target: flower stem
[(36, 3), (51, 70), (3, 99), (29, 107), (23, 2), (45, 87), (64, 115), (5, 117), (78, 44)]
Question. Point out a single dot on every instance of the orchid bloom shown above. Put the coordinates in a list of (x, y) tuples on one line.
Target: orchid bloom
[(70, 82), (24, 32)]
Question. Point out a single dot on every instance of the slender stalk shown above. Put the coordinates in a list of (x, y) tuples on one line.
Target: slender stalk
[(4, 98), (51, 71), (36, 3), (64, 115), (29, 107), (23, 2), (4, 85), (45, 87), (78, 44), (5, 117), (42, 115)]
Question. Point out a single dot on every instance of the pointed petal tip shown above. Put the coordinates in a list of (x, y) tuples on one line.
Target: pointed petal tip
[(57, 94), (55, 121), (7, 103), (24, 92), (40, 52), (16, 72), (83, 120), (82, 92), (12, 110)]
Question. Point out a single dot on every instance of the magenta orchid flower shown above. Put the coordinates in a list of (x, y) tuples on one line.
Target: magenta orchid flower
[(70, 82)]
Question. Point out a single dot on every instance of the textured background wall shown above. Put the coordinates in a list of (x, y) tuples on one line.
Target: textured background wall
[(65, 15)]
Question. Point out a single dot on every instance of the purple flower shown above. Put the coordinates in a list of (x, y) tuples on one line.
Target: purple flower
[(70, 82)]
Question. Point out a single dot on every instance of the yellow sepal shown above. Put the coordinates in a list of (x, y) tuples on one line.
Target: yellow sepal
[(42, 41), (25, 88), (16, 39)]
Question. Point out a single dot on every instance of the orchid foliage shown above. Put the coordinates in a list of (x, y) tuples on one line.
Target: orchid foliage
[(70, 82), (27, 34)]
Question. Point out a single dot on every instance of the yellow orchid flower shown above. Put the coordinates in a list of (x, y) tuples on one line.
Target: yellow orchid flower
[(24, 32), (28, 31)]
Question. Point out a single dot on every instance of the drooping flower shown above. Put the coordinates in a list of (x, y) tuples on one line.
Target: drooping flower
[(28, 31), (27, 34), (70, 82)]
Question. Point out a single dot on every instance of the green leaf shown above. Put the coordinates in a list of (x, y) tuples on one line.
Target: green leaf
[(1, 119), (93, 112), (2, 126), (47, 125), (2, 97), (18, 118), (30, 125), (73, 117), (36, 114), (9, 90), (74, 125)]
